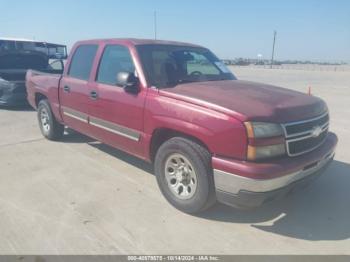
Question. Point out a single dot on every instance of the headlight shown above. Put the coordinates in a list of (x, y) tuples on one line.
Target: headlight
[(259, 130), (263, 152), (263, 130)]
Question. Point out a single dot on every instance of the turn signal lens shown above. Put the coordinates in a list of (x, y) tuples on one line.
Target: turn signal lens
[(263, 152)]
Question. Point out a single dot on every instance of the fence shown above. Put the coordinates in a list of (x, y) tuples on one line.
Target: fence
[(307, 67)]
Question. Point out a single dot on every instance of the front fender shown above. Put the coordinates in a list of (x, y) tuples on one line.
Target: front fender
[(222, 134)]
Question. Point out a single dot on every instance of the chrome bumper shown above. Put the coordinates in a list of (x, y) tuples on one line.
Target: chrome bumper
[(233, 183)]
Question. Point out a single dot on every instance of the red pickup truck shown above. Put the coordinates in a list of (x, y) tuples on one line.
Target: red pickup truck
[(210, 136)]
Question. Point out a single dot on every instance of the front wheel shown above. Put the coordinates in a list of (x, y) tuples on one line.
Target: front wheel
[(184, 175), (50, 128)]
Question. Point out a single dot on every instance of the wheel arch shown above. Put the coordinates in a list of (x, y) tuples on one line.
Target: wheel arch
[(162, 134), (38, 97)]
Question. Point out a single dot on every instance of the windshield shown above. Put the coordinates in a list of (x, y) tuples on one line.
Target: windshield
[(170, 65)]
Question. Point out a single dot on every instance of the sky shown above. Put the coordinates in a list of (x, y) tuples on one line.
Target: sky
[(306, 29)]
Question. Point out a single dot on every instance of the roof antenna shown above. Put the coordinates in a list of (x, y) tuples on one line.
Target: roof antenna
[(309, 91), (273, 48), (155, 25)]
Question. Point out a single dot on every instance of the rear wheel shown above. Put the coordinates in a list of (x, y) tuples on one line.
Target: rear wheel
[(50, 128), (184, 175)]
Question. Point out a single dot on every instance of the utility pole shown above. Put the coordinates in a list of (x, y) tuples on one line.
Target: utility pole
[(155, 25), (273, 47)]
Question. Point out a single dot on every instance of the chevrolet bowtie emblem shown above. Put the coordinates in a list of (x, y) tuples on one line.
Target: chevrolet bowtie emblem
[(316, 131)]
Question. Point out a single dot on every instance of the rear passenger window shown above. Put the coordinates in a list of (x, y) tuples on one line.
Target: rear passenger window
[(115, 59), (82, 61)]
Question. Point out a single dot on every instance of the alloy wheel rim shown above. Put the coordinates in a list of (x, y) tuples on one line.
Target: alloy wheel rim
[(181, 176), (45, 120)]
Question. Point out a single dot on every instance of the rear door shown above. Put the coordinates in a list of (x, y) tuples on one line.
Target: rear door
[(75, 88), (116, 116)]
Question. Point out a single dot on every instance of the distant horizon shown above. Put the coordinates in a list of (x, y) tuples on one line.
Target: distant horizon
[(222, 58), (298, 60), (306, 30)]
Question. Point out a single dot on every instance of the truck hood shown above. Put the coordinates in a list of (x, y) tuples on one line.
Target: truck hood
[(246, 100)]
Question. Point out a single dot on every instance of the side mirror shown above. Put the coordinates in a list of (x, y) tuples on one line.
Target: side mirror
[(128, 81)]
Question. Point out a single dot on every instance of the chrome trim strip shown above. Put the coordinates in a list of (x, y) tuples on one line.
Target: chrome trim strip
[(233, 183), (300, 122), (75, 114), (114, 128), (306, 151), (326, 125), (106, 125), (302, 138), (307, 134), (75, 117), (305, 121), (324, 128)]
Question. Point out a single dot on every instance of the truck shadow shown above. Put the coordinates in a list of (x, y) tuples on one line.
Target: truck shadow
[(318, 212), (17, 108), (125, 157), (74, 137)]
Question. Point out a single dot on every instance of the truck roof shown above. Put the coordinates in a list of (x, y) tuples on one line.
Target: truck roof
[(137, 41), (17, 39), (27, 40)]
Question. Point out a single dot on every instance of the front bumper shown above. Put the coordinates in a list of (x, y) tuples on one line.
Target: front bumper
[(250, 185)]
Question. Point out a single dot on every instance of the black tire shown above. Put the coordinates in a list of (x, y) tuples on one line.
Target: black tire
[(50, 128), (204, 195)]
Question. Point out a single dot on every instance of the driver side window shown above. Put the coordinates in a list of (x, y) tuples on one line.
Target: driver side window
[(115, 59)]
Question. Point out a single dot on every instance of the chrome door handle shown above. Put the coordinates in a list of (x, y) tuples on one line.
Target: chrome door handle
[(93, 95), (66, 89)]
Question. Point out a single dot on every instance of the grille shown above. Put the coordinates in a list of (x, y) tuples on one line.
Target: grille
[(305, 136), (305, 126)]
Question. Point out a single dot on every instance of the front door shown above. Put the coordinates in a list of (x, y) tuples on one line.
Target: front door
[(116, 116)]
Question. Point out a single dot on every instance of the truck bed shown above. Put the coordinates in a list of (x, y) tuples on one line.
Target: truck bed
[(45, 83)]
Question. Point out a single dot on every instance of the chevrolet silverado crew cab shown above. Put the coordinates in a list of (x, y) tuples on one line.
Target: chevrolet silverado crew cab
[(19, 55), (209, 136)]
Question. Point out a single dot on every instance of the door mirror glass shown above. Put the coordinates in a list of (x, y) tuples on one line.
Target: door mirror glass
[(128, 81)]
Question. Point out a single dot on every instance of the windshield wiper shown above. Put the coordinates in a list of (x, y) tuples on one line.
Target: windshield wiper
[(218, 79), (183, 81), (179, 82)]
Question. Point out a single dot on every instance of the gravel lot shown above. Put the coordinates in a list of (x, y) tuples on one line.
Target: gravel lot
[(82, 197)]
